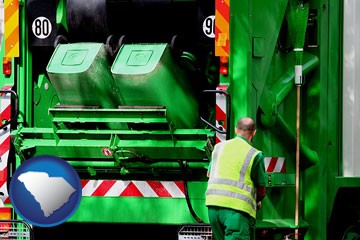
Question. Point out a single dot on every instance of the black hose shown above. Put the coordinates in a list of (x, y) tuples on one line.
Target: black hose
[(187, 194)]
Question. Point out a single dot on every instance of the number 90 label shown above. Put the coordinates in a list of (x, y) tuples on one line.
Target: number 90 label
[(209, 26), (41, 27)]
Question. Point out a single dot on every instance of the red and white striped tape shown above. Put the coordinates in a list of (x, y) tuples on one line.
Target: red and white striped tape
[(275, 164), (117, 188), (220, 113), (5, 115)]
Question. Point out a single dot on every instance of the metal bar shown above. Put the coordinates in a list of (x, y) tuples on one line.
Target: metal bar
[(131, 115)]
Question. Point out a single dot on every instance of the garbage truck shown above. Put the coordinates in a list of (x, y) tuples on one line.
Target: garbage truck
[(134, 94)]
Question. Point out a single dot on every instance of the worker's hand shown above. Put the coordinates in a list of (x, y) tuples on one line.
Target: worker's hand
[(258, 204)]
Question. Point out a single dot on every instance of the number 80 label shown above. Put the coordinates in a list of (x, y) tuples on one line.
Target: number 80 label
[(41, 27)]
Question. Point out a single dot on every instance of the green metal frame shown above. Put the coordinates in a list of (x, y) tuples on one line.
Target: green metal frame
[(47, 130), (262, 86)]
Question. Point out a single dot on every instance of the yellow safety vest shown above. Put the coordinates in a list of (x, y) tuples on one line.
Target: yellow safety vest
[(230, 183)]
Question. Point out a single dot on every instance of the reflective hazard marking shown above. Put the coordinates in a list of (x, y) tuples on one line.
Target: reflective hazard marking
[(118, 188), (275, 164), (11, 25), (222, 20), (5, 113), (220, 113)]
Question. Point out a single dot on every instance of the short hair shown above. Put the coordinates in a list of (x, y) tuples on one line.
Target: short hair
[(246, 124)]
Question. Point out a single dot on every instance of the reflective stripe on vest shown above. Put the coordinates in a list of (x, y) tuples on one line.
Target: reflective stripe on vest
[(240, 183)]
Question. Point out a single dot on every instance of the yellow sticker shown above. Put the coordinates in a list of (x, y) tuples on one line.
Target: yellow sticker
[(222, 39)]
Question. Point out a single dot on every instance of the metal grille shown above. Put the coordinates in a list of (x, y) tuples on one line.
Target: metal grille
[(195, 232), (15, 229)]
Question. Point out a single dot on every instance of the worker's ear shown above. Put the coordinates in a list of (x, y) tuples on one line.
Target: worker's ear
[(236, 131), (253, 134)]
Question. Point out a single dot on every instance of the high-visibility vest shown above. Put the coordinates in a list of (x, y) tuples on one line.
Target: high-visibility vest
[(230, 183)]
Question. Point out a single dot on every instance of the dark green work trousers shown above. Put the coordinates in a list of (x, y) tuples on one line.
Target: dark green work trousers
[(228, 224)]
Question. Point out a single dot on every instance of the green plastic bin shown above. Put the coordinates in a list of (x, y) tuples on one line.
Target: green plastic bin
[(80, 74), (148, 75)]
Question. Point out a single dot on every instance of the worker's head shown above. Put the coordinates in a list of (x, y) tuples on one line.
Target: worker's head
[(246, 127)]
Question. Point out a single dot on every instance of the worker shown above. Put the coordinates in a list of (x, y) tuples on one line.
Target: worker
[(236, 184)]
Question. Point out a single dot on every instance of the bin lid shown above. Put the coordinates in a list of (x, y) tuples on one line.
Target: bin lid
[(73, 58), (137, 58)]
